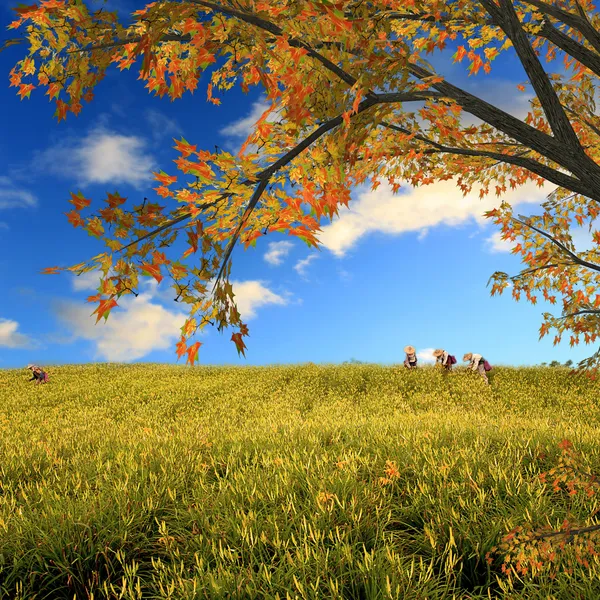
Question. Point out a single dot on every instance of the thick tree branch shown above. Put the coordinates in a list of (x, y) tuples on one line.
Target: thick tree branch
[(529, 136), (575, 21), (552, 175), (506, 18), (572, 47)]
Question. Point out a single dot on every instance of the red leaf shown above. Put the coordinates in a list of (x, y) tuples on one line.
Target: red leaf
[(239, 343)]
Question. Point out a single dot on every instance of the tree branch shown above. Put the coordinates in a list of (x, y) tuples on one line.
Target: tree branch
[(574, 21), (579, 312), (552, 175), (529, 136), (573, 48), (574, 257), (506, 18)]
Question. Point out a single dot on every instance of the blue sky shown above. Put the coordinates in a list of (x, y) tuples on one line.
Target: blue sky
[(393, 270)]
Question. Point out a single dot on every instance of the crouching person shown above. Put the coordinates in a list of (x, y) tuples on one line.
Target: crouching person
[(478, 363), (39, 375), (445, 359), (410, 362)]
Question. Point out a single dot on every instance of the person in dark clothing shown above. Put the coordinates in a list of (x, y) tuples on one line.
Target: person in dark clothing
[(39, 375)]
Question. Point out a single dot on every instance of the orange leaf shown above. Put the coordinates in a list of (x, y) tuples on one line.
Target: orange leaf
[(51, 270), (153, 270), (104, 308), (192, 352), (79, 201)]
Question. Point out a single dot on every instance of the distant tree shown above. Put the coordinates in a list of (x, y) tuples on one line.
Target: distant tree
[(569, 363), (352, 99), (353, 361), (544, 364), (555, 363)]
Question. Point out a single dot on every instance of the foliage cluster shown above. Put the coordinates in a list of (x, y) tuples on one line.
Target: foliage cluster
[(352, 99), (296, 482)]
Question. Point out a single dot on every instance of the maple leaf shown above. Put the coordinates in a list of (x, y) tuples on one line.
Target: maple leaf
[(152, 270), (192, 352), (104, 308), (239, 343), (75, 218), (79, 201)]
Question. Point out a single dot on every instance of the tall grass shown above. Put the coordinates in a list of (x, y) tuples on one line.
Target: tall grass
[(341, 482)]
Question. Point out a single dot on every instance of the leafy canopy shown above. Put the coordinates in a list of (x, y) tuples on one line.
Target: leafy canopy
[(352, 99)]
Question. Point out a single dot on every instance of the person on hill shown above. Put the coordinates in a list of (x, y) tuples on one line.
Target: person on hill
[(410, 362), (446, 360), (477, 363), (39, 375)]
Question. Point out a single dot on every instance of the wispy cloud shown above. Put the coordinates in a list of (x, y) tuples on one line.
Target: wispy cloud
[(142, 324), (251, 295), (414, 210), (277, 251), (243, 127), (10, 336), (12, 196), (161, 126), (426, 355), (497, 244), (301, 266), (86, 281), (132, 331), (102, 156)]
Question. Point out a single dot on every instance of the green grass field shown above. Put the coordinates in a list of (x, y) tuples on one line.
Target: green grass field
[(355, 482)]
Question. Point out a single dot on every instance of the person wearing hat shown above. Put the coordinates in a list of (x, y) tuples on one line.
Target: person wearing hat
[(39, 375), (410, 362), (442, 357), (476, 363)]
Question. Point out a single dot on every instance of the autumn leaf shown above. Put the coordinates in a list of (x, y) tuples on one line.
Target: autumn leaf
[(192, 352), (152, 270), (104, 308), (239, 343), (79, 201)]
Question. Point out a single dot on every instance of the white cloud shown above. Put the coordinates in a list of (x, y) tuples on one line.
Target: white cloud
[(277, 250), (301, 266), (251, 295), (161, 125), (140, 325), (10, 337), (133, 330), (14, 197), (426, 355), (101, 157), (582, 239), (418, 208), (243, 127), (86, 281), (497, 244)]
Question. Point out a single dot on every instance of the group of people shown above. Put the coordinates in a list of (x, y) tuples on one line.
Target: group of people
[(476, 361), (39, 375)]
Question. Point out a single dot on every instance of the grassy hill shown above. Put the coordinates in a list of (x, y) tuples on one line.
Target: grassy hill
[(152, 481)]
